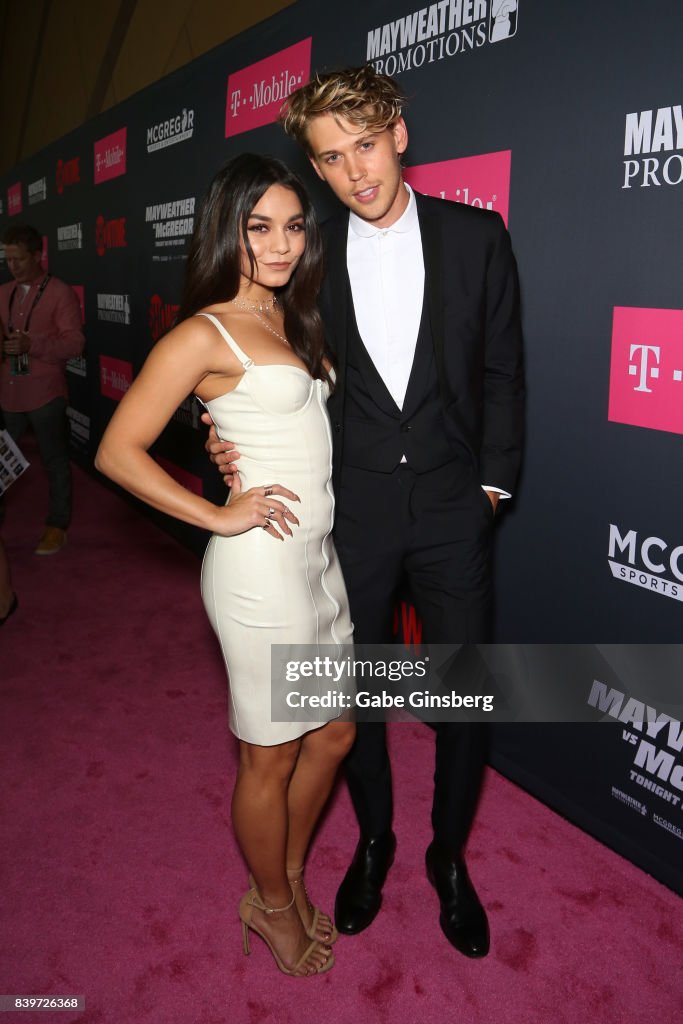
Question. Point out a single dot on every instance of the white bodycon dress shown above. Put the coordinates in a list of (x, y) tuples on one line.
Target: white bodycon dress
[(257, 590)]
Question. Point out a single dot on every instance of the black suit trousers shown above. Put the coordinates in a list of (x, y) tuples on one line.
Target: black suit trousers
[(435, 528)]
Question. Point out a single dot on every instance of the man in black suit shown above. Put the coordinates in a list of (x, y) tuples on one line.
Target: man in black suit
[(421, 308)]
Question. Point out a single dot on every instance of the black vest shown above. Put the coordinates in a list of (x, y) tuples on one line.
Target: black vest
[(377, 434)]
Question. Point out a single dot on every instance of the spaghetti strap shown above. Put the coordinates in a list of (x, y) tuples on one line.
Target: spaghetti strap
[(243, 358)]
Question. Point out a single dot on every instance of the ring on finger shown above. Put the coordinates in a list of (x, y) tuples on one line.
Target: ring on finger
[(269, 491), (271, 511), (267, 524)]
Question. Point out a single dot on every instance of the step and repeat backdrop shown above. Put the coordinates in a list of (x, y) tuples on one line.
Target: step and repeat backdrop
[(568, 120)]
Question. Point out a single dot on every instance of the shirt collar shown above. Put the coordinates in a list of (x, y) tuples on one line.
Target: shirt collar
[(408, 220)]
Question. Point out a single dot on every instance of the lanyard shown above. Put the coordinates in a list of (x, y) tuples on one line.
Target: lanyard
[(39, 295)]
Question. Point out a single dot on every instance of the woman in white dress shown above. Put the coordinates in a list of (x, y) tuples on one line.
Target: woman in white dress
[(249, 343)]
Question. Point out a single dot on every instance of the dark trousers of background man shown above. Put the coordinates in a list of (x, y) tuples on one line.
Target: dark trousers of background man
[(436, 528), (50, 426)]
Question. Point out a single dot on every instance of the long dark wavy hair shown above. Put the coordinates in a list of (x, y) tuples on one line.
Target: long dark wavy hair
[(214, 261)]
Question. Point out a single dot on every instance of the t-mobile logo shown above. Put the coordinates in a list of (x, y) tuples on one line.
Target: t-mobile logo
[(646, 376)]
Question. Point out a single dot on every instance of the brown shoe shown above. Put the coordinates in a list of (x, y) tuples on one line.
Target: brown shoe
[(52, 541)]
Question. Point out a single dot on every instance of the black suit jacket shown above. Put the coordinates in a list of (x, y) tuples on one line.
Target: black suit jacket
[(472, 293)]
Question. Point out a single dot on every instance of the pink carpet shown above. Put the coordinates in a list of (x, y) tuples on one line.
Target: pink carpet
[(121, 877)]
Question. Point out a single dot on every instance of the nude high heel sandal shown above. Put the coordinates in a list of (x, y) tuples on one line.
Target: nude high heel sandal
[(252, 901), (296, 878)]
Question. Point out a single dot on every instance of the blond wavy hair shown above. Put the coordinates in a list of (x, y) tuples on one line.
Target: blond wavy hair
[(370, 101)]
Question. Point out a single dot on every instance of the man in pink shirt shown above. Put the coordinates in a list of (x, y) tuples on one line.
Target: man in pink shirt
[(40, 321)]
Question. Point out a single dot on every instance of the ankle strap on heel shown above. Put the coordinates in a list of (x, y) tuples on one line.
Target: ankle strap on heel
[(260, 904)]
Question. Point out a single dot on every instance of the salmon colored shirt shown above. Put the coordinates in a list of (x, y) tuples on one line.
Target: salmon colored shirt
[(55, 335)]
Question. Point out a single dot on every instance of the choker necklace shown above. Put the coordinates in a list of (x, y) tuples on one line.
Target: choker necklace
[(255, 306), (258, 309)]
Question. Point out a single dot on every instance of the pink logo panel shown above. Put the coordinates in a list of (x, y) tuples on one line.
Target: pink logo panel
[(256, 93), (110, 156), (14, 202), (116, 376), (186, 479), (482, 181), (80, 295), (646, 374)]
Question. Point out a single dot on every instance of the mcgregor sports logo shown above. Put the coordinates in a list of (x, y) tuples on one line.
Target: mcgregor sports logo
[(648, 562), (440, 31), (171, 131)]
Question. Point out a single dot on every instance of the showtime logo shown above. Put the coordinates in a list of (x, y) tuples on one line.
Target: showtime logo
[(482, 181), (442, 30), (110, 156), (116, 376), (68, 173), (646, 374), (187, 480), (161, 316), (654, 131), (14, 203), (171, 131), (256, 93), (110, 234), (651, 563), (37, 191)]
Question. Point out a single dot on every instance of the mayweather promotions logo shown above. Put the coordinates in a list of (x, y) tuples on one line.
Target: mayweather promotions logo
[(482, 181), (256, 93), (653, 147), (68, 173), (173, 130), (161, 316), (109, 157), (70, 236), (110, 234), (37, 191), (114, 309), (439, 31), (648, 562), (646, 373)]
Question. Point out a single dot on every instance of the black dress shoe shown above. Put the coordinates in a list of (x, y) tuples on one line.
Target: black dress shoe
[(360, 894), (462, 919)]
